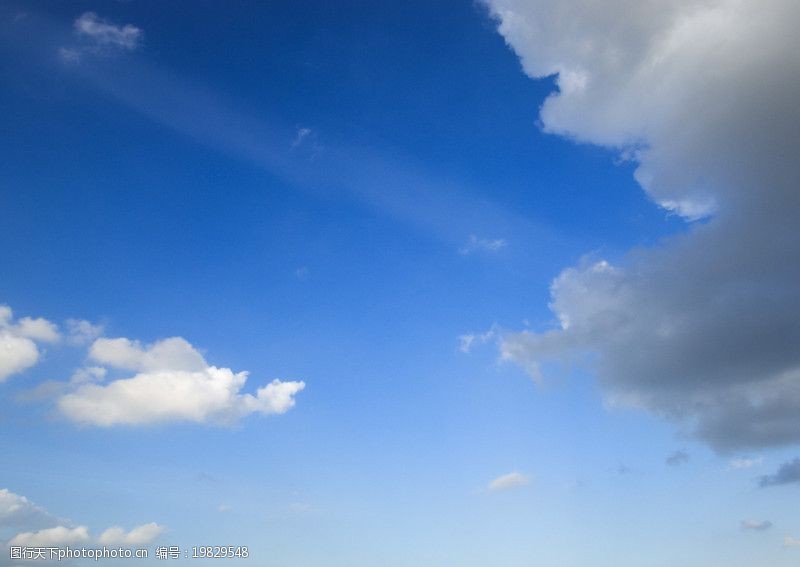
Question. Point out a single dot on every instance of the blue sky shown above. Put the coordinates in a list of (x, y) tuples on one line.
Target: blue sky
[(446, 236)]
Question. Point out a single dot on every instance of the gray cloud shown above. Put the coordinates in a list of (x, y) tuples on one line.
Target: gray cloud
[(677, 458), (787, 473), (702, 329), (756, 525)]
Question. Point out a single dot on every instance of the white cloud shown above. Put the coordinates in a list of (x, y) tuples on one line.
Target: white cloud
[(701, 94), (790, 541), (140, 535), (35, 527), (508, 481), (18, 348), (52, 537), (173, 382), (99, 37), (38, 330), (16, 510), (104, 34), (745, 462), (169, 354), (475, 244)]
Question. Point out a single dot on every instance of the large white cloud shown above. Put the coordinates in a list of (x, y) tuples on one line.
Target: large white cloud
[(702, 95), (18, 341), (172, 382)]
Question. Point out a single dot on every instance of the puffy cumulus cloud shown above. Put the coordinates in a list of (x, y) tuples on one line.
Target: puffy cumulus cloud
[(170, 354), (703, 328), (172, 382), (508, 481), (52, 537), (18, 341), (140, 535)]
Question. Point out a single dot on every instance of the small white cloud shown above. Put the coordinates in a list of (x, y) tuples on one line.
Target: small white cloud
[(745, 462), (790, 541), (476, 244), (52, 537), (104, 34), (756, 525), (508, 481), (18, 348), (224, 508), (16, 354), (140, 535), (301, 273), (173, 383)]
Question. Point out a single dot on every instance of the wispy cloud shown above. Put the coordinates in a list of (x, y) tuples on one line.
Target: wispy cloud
[(476, 244), (756, 525), (102, 33), (99, 37), (508, 481), (302, 134), (469, 341)]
